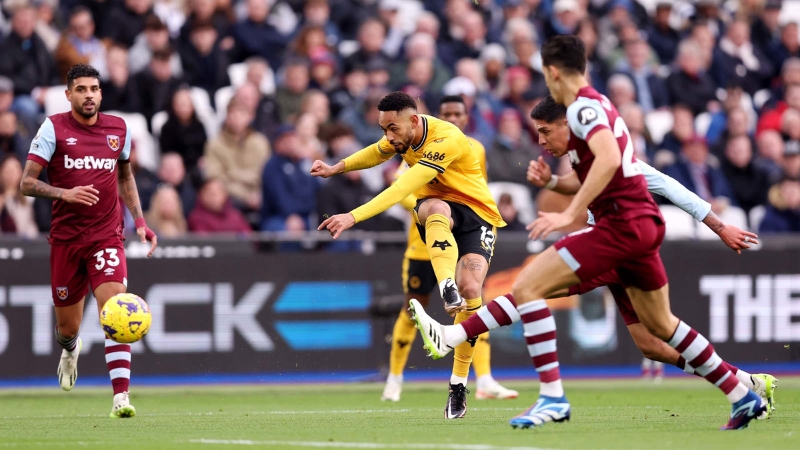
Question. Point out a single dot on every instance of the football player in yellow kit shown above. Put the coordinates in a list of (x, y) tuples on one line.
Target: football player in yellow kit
[(419, 280), (455, 212)]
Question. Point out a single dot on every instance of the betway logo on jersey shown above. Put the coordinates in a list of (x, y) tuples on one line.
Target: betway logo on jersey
[(90, 162)]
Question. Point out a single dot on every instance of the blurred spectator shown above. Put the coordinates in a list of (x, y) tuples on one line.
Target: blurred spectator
[(519, 82), (508, 212), (695, 170), (643, 145), (790, 124), (165, 215), (420, 46), (236, 157), (124, 22), (216, 12), (651, 91), (735, 58), (173, 172), (787, 47), (146, 181), (419, 75), (345, 193), (205, 64), (790, 74), (765, 28), (215, 213), (307, 128), (161, 84), (11, 142), (388, 13), (78, 45), (736, 126), (310, 39), (702, 35), (566, 16), (323, 71), (120, 91), (520, 39), (355, 86), (481, 113), (378, 73), (508, 157), (172, 13), (16, 210), (493, 61), (318, 13), (255, 37), (289, 191), (690, 84), (596, 67), (342, 143), (682, 129), (363, 119), (184, 134), (47, 26), (783, 210), (154, 37), (26, 125), (27, 63), (773, 119), (263, 107), (749, 182), (470, 44), (371, 36), (316, 104), (662, 37), (709, 13), (791, 160), (290, 94), (734, 99), (770, 153), (621, 90)]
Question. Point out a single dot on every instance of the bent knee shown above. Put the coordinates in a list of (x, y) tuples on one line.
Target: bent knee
[(69, 329), (470, 290)]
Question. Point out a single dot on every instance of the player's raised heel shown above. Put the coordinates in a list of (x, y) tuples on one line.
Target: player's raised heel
[(453, 303), (545, 410), (745, 410), (765, 385), (122, 408), (68, 367), (432, 332)]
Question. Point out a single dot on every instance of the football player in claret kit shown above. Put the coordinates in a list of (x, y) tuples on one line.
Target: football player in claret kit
[(87, 158), (626, 239)]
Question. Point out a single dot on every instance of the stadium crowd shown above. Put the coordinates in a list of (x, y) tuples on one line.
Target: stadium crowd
[(237, 98)]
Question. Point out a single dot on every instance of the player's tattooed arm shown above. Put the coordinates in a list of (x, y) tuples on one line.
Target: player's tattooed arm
[(127, 189), (735, 238), (33, 187)]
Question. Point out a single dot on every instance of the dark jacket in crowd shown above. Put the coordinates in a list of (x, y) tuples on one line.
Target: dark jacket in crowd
[(27, 63), (695, 92), (186, 140), (121, 98), (123, 25), (750, 185)]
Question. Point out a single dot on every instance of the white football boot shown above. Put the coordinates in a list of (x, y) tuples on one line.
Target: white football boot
[(393, 388), (68, 367), (491, 390), (122, 407), (432, 331)]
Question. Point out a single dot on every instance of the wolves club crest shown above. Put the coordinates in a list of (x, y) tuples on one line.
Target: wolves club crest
[(113, 141), (62, 293)]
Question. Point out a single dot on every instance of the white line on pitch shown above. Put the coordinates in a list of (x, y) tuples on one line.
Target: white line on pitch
[(369, 445)]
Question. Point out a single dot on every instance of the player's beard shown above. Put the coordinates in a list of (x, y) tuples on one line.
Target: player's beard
[(406, 142), (87, 114)]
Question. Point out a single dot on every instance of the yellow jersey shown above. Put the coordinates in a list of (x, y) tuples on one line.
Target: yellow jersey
[(415, 248), (444, 165)]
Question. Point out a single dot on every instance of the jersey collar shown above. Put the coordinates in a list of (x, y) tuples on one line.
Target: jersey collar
[(424, 134)]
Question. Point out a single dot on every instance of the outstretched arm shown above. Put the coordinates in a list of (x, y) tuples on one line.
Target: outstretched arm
[(363, 159)]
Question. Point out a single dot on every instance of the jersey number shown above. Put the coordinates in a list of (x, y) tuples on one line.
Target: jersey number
[(112, 260), (487, 237), (629, 166)]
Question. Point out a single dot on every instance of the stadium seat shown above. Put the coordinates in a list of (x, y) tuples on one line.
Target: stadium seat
[(55, 101), (347, 48), (679, 224), (520, 196), (756, 216), (761, 97), (205, 113), (237, 73), (731, 216), (157, 123), (702, 122), (222, 97), (145, 146), (658, 123)]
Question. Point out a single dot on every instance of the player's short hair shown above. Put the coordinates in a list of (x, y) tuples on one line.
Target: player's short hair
[(548, 110), (566, 52), (397, 101), (452, 99), (81, 71)]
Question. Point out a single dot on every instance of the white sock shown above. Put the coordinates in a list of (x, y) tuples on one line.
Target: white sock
[(395, 378), (454, 335), (737, 393), (552, 389), (485, 380), (745, 379), (458, 380)]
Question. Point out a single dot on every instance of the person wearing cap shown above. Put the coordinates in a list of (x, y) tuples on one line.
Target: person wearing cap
[(783, 209), (78, 45), (694, 170), (288, 190), (662, 37), (154, 37)]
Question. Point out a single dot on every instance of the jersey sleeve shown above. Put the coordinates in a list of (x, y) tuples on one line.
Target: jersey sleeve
[(125, 154), (371, 156), (586, 117), (439, 155), (669, 188), (43, 146)]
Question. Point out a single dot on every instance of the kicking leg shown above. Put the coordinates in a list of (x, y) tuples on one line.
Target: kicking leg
[(118, 357)]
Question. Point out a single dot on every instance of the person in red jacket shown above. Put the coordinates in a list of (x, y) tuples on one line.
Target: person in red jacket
[(214, 212)]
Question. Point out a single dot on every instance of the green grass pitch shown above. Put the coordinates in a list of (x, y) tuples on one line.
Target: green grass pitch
[(631, 414)]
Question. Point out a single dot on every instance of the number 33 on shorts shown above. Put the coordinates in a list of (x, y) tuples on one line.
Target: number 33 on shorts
[(106, 257)]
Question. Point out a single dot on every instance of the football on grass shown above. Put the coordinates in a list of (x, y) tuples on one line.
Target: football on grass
[(125, 318)]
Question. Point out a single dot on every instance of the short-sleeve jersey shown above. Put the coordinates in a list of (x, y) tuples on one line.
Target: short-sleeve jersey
[(416, 249), (447, 150), (80, 155), (625, 196)]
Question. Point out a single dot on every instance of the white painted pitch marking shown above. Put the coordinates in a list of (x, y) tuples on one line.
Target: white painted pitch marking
[(368, 445)]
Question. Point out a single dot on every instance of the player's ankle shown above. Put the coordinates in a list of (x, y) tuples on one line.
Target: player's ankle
[(454, 335)]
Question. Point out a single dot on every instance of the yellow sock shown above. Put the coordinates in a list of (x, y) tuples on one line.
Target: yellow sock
[(462, 356), (442, 247), (402, 337), (481, 357)]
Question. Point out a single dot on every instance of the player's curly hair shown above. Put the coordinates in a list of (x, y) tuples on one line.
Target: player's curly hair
[(548, 110), (566, 52), (81, 71), (397, 101)]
